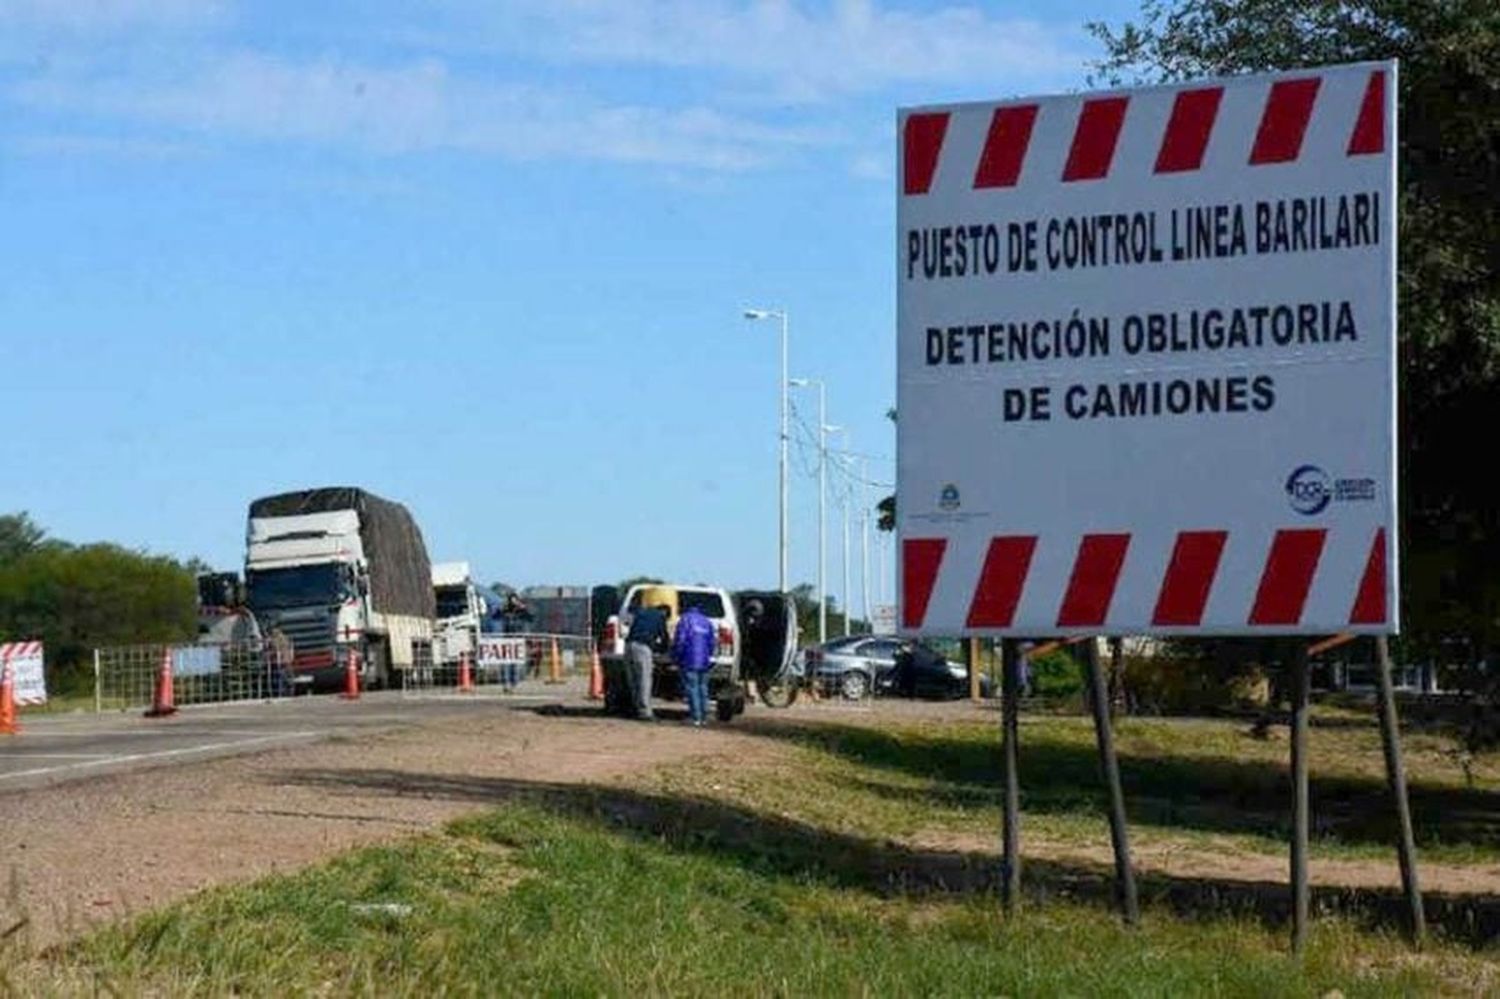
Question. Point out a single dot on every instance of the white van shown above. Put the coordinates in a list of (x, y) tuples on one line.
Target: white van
[(749, 647)]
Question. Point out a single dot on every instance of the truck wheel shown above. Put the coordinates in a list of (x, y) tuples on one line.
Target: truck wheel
[(377, 672), (724, 710)]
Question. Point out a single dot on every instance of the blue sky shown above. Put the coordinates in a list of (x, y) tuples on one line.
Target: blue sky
[(488, 259)]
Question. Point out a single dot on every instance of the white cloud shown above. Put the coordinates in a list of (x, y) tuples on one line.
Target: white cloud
[(101, 146), (871, 166), (107, 15), (802, 52), (411, 108)]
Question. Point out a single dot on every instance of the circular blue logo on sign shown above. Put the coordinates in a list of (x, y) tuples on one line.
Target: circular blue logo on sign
[(1309, 490), (948, 498)]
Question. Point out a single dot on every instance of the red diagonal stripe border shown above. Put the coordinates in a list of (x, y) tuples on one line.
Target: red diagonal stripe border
[(1001, 581), (1189, 578), (1096, 572), (1288, 575), (922, 143), (921, 558), (1283, 123)]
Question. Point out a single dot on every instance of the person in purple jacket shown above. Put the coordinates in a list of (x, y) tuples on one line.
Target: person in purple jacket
[(693, 651)]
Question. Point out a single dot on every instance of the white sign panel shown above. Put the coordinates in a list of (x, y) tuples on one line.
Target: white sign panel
[(499, 650), (883, 619), (196, 660), (1146, 364), (25, 660)]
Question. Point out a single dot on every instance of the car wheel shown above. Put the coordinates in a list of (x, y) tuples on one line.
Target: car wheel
[(854, 685), (724, 710)]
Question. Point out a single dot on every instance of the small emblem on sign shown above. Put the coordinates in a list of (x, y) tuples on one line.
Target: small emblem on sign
[(948, 498), (1309, 490)]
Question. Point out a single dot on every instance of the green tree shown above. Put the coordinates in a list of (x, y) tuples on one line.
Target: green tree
[(19, 534), (77, 597), (1449, 282)]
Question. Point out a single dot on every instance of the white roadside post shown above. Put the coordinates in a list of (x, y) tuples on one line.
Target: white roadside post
[(755, 314), (1146, 375)]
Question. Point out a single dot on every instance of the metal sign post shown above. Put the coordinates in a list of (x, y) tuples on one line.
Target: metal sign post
[(1390, 737), (1010, 739), (1109, 765)]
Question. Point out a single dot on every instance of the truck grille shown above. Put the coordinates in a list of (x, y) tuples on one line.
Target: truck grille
[(311, 635)]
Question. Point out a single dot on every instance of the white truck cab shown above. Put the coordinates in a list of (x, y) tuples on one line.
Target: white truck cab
[(461, 609)]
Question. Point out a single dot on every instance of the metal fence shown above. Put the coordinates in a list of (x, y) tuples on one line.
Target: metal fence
[(512, 663), (129, 676)]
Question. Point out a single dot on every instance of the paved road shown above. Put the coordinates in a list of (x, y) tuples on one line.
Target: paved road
[(59, 748)]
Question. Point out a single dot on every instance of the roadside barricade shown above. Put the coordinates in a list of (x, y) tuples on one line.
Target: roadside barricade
[(132, 676), (517, 663)]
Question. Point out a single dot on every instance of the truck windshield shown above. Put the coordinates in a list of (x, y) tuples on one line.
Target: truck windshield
[(452, 601), (300, 586)]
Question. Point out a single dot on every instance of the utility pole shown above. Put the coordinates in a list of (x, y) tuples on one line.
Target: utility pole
[(785, 433), (864, 527), (823, 431)]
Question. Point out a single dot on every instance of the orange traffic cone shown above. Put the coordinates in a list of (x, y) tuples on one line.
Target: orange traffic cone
[(596, 679), (554, 665), (8, 723), (465, 674), (351, 675), (164, 698)]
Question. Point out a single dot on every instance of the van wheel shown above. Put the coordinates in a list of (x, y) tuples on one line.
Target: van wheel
[(724, 710), (781, 694), (854, 685)]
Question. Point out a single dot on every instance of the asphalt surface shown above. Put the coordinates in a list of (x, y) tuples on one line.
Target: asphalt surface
[(52, 749)]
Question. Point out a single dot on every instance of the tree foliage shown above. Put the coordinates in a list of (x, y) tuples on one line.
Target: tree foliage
[(19, 534), (1449, 281), (77, 597)]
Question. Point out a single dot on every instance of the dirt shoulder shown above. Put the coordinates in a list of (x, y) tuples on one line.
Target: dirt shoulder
[(99, 850), (93, 851)]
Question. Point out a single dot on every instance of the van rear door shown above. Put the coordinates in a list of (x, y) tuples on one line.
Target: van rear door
[(769, 644)]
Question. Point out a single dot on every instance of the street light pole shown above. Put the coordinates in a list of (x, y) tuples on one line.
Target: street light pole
[(780, 314), (823, 431)]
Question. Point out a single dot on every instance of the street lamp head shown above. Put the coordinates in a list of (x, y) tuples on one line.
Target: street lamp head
[(762, 314), (801, 382)]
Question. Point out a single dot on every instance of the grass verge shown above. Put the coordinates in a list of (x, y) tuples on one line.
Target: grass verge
[(804, 876)]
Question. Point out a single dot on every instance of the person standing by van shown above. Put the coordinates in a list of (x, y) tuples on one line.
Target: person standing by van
[(693, 651), (647, 636)]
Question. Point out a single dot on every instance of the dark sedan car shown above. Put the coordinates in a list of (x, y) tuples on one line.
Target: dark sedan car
[(859, 665)]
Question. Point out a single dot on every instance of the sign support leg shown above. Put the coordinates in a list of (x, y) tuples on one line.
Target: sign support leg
[(1299, 693), (1010, 867), (1395, 769), (1109, 766)]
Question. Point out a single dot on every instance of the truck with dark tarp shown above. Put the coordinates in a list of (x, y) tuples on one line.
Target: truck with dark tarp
[(340, 571)]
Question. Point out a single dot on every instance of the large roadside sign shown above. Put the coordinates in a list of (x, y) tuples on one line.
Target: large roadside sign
[(1146, 360)]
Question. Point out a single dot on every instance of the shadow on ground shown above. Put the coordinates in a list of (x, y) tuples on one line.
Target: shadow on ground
[(1217, 794), (783, 847)]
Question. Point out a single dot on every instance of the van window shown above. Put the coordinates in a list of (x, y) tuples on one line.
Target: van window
[(711, 604)]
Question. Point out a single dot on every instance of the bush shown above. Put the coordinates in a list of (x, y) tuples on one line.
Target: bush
[(1173, 683), (1056, 676)]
